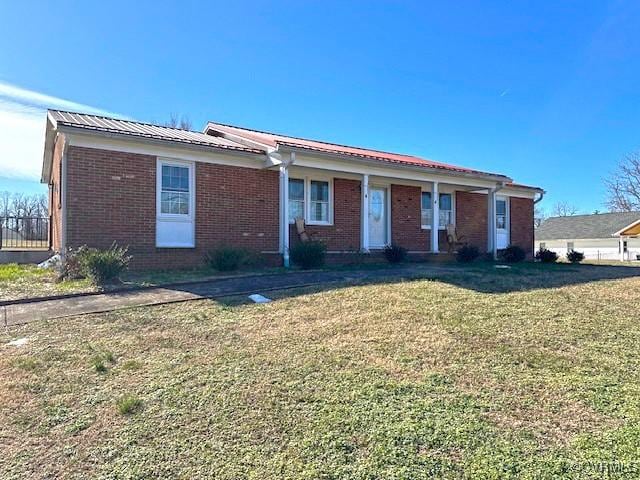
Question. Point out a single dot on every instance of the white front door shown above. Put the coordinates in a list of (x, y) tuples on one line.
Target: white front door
[(502, 222), (378, 234)]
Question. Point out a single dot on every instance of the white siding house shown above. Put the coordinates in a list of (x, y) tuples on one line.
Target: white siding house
[(603, 236)]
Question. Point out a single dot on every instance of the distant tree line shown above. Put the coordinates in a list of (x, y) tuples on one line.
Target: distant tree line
[(22, 205)]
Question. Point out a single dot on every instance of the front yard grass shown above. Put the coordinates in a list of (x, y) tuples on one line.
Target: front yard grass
[(481, 373)]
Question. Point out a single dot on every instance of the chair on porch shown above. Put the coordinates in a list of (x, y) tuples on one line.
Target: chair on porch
[(302, 232), (453, 239)]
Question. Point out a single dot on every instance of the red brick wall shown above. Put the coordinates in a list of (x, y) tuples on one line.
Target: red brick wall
[(406, 221), (471, 218), (521, 210), (406, 229), (344, 234), (112, 197)]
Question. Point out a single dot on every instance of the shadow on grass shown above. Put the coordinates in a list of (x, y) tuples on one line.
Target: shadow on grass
[(481, 277)]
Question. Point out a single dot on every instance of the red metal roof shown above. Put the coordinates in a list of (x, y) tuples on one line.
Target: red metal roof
[(274, 140)]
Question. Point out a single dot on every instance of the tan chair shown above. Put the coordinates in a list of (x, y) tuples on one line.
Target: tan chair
[(302, 232), (453, 240)]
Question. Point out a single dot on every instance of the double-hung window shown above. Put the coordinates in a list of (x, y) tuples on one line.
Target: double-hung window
[(446, 210), (174, 196), (319, 202), (501, 214), (296, 199), (175, 210), (310, 200)]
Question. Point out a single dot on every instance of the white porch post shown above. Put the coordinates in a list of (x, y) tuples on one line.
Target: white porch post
[(621, 247), (435, 217), (364, 222), (284, 213), (491, 224)]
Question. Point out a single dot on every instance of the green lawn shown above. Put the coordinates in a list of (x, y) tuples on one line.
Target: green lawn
[(483, 373)]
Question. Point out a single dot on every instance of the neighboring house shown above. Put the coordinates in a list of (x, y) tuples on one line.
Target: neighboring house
[(604, 236), (172, 195)]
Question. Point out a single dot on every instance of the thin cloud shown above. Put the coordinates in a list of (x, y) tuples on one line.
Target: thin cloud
[(22, 125), (29, 98)]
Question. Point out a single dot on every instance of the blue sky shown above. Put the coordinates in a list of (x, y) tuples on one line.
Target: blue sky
[(546, 92)]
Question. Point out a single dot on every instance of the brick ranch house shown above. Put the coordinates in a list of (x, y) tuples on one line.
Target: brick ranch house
[(172, 195)]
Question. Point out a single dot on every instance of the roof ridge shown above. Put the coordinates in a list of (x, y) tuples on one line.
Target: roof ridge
[(323, 141), (138, 122), (594, 214)]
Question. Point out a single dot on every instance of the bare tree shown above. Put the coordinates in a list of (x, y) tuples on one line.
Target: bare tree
[(623, 186), (564, 209), (5, 203), (539, 216), (179, 121)]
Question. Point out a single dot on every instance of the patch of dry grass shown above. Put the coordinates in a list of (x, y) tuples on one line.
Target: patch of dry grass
[(479, 374)]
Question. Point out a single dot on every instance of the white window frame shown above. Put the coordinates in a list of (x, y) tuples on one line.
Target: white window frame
[(175, 163), (176, 217), (307, 199), (453, 209)]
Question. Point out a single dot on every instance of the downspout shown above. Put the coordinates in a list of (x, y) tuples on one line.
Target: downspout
[(539, 199), (276, 159)]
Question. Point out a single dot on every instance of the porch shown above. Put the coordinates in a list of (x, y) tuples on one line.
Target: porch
[(353, 212)]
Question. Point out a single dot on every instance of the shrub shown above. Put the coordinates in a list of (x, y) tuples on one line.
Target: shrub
[(70, 267), (395, 253), (575, 257), (512, 254), (308, 254), (467, 253), (103, 266), (546, 256), (226, 259), (128, 404)]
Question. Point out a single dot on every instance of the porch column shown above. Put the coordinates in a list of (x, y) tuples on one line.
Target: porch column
[(491, 223), (621, 247), (284, 213), (435, 217), (364, 221)]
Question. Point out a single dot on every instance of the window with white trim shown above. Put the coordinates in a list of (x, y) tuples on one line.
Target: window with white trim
[(501, 214), (446, 210), (319, 202), (296, 199), (175, 190), (310, 199)]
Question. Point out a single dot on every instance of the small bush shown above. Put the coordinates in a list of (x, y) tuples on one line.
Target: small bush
[(308, 254), (575, 257), (467, 253), (101, 266), (546, 256), (512, 254), (70, 267), (395, 253), (128, 404), (227, 259)]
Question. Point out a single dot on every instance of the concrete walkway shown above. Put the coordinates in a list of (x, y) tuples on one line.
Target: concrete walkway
[(15, 314)]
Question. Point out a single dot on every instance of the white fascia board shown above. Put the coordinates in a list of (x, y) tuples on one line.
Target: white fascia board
[(49, 145), (238, 138), (375, 168), (631, 225), (162, 148)]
